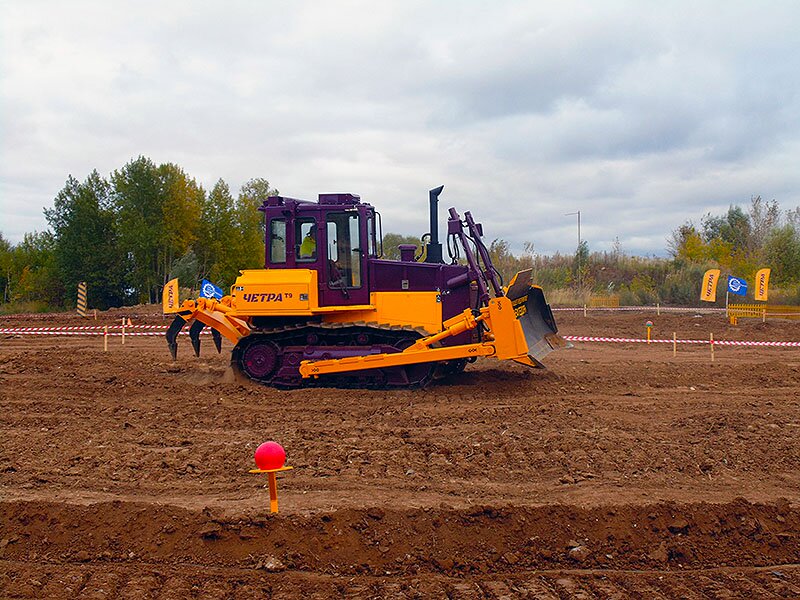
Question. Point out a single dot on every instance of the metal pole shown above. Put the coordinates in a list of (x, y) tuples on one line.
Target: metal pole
[(434, 254)]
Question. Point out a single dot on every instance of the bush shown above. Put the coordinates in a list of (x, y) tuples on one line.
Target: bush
[(682, 287), (13, 308), (785, 296)]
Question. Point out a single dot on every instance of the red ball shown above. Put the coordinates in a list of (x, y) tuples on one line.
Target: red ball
[(269, 456)]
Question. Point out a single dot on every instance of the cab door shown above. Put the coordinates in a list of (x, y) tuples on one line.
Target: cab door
[(344, 275)]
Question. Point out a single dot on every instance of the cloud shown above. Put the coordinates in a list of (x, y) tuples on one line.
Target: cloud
[(641, 116)]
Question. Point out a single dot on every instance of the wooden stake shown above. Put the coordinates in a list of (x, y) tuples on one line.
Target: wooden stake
[(273, 485), (584, 310), (273, 493), (658, 309), (105, 338), (674, 344), (711, 339)]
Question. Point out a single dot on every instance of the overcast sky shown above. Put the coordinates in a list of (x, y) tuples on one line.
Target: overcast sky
[(641, 115)]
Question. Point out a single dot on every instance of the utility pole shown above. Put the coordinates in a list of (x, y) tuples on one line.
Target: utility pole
[(578, 255)]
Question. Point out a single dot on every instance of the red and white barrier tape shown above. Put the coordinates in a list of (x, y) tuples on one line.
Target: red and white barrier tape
[(640, 308), (581, 338), (160, 329), (55, 331), (100, 328)]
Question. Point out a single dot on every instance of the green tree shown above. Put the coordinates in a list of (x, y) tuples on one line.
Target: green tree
[(782, 253), (34, 271), (764, 217), (686, 244), (6, 261), (393, 241), (139, 206), (186, 269), (249, 245), (86, 245), (158, 210), (730, 240), (581, 267), (219, 238), (183, 200), (733, 228)]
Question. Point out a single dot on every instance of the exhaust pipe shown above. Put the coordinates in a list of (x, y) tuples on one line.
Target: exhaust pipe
[(434, 246)]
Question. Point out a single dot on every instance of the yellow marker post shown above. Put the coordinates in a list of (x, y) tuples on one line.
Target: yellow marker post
[(82, 299), (649, 326), (273, 485)]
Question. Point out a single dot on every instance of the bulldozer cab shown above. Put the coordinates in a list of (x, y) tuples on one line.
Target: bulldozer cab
[(335, 237)]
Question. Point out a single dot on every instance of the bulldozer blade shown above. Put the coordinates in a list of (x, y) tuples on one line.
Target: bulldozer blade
[(172, 335), (217, 337), (539, 326), (194, 336), (534, 314)]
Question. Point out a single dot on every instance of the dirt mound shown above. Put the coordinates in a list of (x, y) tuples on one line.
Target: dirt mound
[(485, 539)]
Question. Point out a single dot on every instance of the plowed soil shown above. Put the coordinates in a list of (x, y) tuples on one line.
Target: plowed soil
[(621, 471)]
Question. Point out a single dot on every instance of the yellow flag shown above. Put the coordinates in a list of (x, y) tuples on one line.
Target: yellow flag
[(762, 284), (169, 297), (709, 291)]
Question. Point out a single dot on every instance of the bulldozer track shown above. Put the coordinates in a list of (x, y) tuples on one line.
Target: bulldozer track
[(342, 336)]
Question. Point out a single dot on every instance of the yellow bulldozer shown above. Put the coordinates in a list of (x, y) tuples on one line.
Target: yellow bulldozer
[(328, 310)]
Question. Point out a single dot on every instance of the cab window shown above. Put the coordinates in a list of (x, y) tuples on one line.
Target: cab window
[(371, 236), (277, 241), (344, 250)]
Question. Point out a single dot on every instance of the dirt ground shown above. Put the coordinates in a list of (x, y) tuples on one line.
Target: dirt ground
[(621, 471)]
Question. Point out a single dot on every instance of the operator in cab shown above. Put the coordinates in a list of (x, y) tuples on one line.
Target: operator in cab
[(308, 249)]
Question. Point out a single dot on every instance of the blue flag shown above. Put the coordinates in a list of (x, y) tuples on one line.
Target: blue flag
[(209, 290), (737, 286)]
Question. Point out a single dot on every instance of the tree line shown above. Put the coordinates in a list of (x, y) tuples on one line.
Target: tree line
[(740, 242), (127, 234)]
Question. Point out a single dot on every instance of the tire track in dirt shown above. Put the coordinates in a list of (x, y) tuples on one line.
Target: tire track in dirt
[(138, 580)]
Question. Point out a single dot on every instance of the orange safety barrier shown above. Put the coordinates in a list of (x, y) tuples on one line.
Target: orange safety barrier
[(611, 301), (761, 311)]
